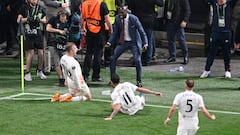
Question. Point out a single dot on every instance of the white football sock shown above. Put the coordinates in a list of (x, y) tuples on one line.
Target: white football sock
[(64, 95), (79, 98)]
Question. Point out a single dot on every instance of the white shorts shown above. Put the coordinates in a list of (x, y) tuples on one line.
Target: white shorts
[(138, 106), (186, 131), (72, 87)]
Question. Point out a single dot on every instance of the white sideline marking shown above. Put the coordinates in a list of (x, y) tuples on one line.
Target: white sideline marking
[(13, 97), (160, 106), (28, 99)]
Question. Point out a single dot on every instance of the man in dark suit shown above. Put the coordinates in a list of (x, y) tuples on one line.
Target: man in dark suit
[(129, 34)]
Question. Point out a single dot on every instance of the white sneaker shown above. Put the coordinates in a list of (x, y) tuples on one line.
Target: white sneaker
[(28, 77), (205, 74), (228, 74), (41, 75)]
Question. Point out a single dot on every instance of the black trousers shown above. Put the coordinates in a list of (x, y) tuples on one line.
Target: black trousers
[(93, 55), (237, 34)]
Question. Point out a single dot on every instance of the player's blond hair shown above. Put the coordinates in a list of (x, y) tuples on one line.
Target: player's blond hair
[(69, 46)]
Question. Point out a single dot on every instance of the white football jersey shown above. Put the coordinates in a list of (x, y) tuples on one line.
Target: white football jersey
[(123, 94), (188, 103), (72, 72)]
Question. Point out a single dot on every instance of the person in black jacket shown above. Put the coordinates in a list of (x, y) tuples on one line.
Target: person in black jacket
[(177, 13), (32, 16), (145, 11), (57, 28), (9, 11), (221, 35), (237, 35)]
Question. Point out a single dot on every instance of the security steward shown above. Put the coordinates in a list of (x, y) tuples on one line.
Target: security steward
[(94, 13)]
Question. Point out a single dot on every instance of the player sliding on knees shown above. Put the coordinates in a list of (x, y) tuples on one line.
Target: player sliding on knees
[(78, 89), (124, 99)]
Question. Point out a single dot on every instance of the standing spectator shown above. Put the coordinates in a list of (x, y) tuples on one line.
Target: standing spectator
[(129, 35), (236, 25), (54, 6), (31, 16), (57, 27), (123, 98), (75, 6), (235, 20), (188, 103), (94, 13), (10, 9), (78, 89), (221, 35), (3, 24), (112, 7), (145, 11), (177, 13), (74, 29), (237, 35)]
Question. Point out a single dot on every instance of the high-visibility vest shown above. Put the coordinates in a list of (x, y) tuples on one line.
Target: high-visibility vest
[(156, 8), (112, 9), (91, 14)]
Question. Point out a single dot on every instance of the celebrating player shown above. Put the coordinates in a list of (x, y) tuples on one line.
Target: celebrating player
[(78, 89), (188, 103), (124, 99)]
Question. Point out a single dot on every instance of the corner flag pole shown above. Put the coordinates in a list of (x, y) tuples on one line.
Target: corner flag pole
[(21, 32), (22, 63)]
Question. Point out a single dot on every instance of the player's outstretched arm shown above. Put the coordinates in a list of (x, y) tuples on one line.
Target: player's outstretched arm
[(147, 91), (116, 108)]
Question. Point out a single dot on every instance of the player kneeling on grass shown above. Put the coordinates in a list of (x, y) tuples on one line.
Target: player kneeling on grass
[(78, 89), (124, 99), (188, 103)]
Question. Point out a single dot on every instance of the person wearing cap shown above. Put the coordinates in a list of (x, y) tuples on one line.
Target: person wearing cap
[(57, 27)]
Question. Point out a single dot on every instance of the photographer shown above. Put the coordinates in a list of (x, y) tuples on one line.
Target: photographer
[(31, 15), (57, 27)]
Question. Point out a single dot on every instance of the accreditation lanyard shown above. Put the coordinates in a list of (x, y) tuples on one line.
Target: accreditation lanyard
[(34, 11), (62, 1), (170, 5), (221, 11)]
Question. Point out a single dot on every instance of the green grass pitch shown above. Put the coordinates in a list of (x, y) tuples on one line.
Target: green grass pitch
[(18, 117)]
